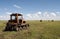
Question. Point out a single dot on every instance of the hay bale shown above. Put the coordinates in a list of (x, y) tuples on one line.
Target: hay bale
[(52, 20), (40, 20)]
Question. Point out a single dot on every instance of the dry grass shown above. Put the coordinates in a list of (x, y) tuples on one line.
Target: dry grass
[(37, 30)]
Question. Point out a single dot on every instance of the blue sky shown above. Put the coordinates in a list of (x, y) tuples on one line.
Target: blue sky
[(31, 9)]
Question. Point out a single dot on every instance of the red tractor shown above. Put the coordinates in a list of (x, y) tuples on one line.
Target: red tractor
[(16, 22)]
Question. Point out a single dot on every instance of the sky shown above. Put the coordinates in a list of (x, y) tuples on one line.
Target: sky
[(31, 9)]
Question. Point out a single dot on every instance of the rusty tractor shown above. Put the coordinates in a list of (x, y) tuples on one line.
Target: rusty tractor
[(16, 23)]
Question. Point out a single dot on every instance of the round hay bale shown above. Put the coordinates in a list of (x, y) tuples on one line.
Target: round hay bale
[(52, 20), (40, 20)]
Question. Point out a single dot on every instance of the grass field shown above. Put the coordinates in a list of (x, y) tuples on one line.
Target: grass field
[(37, 30)]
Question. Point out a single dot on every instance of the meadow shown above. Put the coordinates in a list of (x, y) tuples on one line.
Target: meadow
[(37, 30)]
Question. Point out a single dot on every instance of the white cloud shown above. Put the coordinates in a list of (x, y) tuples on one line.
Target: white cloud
[(8, 13), (29, 15), (21, 13), (40, 15), (45, 14), (4, 17), (35, 16), (53, 14), (17, 6)]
